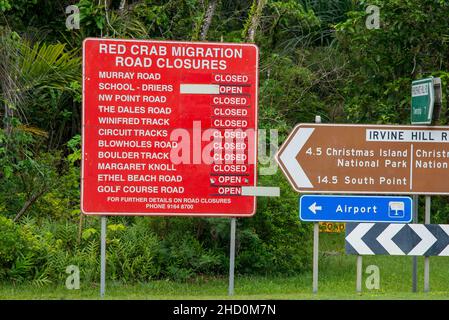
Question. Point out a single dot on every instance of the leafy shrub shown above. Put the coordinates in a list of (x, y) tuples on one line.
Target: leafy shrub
[(131, 252), (11, 245), (183, 256), (274, 241)]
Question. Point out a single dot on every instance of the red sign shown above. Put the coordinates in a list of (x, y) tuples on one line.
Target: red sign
[(169, 128)]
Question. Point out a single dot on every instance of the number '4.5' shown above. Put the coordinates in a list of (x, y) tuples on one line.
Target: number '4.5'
[(318, 151)]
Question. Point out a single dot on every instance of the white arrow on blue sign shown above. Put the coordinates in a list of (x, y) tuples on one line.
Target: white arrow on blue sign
[(334, 208)]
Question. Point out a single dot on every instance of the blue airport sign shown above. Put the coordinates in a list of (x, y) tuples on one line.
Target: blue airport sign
[(334, 208)]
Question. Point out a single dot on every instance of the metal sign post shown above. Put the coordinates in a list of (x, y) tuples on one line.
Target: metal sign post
[(415, 259), (316, 248), (437, 87), (359, 274), (232, 257), (316, 243), (426, 258), (103, 257)]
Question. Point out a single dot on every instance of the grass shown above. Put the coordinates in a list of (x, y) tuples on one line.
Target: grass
[(337, 274)]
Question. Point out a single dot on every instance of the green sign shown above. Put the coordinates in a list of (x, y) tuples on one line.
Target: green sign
[(423, 98)]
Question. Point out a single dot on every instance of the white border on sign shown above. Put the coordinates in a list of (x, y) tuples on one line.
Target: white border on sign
[(219, 214)]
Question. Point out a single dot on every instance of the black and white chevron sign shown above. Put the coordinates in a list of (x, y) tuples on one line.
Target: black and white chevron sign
[(397, 239)]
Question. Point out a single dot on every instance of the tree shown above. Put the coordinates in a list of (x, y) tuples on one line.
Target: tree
[(31, 74), (384, 61)]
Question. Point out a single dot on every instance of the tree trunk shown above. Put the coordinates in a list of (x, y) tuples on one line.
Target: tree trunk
[(28, 204), (80, 227), (122, 5), (7, 86), (255, 14), (208, 19)]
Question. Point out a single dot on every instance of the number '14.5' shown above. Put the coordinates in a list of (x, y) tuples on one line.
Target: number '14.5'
[(326, 179)]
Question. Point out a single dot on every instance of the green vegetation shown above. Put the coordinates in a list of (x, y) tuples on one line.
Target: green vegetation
[(337, 281), (317, 57)]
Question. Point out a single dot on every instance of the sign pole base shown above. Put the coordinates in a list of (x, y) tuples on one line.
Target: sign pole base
[(415, 258), (232, 257), (316, 239), (426, 259), (359, 274), (103, 257)]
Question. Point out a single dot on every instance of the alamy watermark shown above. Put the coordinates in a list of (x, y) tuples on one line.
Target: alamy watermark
[(373, 280), (72, 22), (72, 282), (373, 19), (227, 150)]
